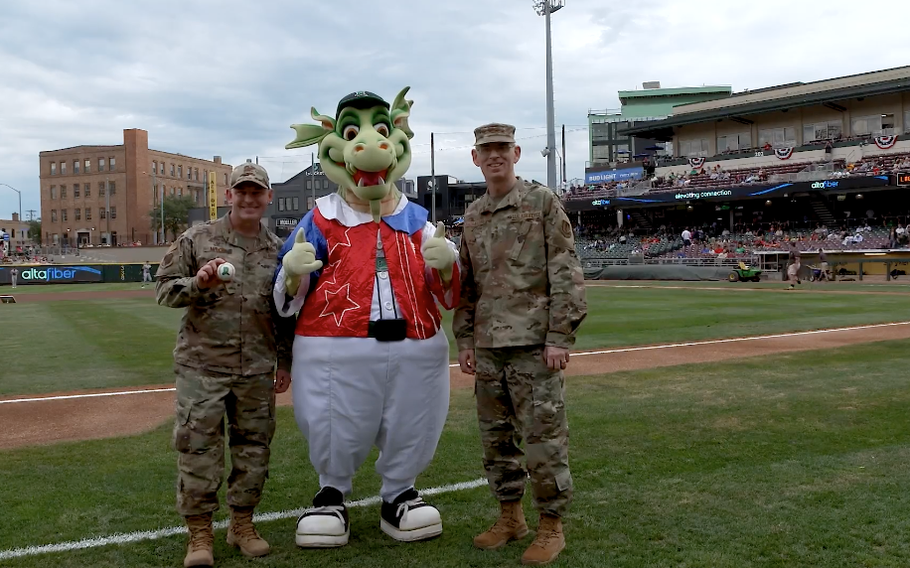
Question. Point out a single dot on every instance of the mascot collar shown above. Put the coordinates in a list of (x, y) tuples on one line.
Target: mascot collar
[(408, 217)]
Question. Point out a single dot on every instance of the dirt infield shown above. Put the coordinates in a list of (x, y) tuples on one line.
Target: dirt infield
[(50, 421)]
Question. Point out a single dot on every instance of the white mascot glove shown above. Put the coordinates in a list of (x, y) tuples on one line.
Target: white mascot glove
[(298, 262), (437, 253)]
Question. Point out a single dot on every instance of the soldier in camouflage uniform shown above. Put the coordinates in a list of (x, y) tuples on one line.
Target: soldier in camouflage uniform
[(522, 301), (230, 342)]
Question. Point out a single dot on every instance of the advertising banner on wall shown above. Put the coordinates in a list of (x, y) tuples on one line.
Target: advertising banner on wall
[(605, 176), (765, 191), (51, 274)]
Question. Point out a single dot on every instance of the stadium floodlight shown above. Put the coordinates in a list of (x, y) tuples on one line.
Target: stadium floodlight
[(545, 8)]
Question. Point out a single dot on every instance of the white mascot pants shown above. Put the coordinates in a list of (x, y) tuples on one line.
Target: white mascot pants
[(351, 393)]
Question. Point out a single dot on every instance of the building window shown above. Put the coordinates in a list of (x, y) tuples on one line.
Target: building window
[(75, 190), (309, 184), (63, 216), (154, 167), (111, 164), (53, 192), (180, 171), (296, 203), (111, 187), (693, 148), (196, 173), (281, 203), (53, 168), (88, 165), (77, 214), (53, 215), (113, 212), (822, 130), (876, 125), (189, 173), (88, 213), (734, 142), (88, 190), (100, 164), (172, 170), (180, 192), (63, 168), (777, 137), (102, 214), (62, 192), (75, 166), (225, 179), (101, 189)]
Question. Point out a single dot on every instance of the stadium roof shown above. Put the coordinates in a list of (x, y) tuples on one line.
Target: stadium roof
[(770, 99), (661, 92)]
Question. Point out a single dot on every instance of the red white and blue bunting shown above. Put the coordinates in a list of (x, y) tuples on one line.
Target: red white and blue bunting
[(697, 162), (783, 153), (885, 142)]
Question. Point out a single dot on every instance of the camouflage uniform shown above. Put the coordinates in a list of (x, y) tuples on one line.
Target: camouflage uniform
[(227, 348), (522, 289)]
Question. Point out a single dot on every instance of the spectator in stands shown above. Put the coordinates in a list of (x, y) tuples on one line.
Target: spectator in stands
[(686, 237)]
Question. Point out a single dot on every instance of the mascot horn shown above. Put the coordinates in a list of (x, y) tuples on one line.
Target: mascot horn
[(365, 270)]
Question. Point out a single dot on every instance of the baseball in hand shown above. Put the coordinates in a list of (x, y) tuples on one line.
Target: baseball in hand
[(226, 272)]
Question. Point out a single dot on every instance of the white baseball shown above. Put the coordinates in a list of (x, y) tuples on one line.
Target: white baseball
[(226, 272)]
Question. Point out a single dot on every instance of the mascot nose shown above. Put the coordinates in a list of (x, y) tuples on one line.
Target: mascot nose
[(361, 147)]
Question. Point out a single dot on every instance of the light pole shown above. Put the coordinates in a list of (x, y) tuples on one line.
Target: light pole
[(545, 8), (20, 198)]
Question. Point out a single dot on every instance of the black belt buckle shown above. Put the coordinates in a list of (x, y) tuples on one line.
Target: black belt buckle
[(388, 330)]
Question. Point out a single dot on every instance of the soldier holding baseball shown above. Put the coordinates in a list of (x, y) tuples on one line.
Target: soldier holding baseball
[(229, 344)]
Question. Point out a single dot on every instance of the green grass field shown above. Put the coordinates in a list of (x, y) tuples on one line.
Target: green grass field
[(795, 460), (792, 460), (129, 342)]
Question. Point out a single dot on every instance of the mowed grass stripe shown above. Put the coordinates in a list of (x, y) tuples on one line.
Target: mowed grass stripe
[(61, 346), (776, 461), (131, 342)]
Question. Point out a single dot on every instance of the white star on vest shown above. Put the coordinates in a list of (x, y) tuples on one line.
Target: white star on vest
[(339, 305)]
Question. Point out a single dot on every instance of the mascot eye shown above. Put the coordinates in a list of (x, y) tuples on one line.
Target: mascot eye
[(350, 132), (382, 128)]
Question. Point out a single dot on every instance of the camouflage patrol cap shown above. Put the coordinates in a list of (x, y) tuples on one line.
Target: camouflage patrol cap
[(361, 100), (250, 172), (494, 132)]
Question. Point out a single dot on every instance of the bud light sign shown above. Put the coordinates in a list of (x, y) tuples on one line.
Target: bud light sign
[(48, 274)]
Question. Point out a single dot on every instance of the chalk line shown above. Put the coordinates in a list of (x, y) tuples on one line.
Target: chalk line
[(138, 536)]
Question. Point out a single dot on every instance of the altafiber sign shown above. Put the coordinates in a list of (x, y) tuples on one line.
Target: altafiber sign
[(52, 274)]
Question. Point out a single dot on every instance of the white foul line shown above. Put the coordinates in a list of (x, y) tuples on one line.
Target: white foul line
[(124, 538), (573, 354)]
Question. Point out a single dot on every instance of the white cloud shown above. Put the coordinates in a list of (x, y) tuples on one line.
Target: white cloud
[(228, 78)]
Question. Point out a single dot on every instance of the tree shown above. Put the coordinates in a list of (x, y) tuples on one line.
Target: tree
[(34, 231), (176, 214)]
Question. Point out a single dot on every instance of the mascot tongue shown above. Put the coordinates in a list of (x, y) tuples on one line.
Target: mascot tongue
[(369, 178)]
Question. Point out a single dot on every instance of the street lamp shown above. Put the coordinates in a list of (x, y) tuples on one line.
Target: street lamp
[(20, 199), (545, 8)]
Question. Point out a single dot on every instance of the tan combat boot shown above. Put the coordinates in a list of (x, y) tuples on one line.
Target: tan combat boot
[(202, 540), (242, 533), (548, 543), (511, 525)]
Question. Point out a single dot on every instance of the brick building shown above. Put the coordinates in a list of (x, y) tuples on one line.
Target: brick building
[(102, 195), (17, 231)]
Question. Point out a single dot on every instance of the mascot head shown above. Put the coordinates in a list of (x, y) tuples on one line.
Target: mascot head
[(365, 149)]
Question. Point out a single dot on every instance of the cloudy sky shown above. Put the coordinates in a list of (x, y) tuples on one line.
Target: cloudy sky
[(228, 77)]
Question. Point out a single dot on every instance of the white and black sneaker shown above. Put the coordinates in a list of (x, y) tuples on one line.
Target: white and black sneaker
[(326, 525), (409, 518)]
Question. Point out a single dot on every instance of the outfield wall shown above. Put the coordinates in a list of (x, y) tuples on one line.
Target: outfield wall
[(34, 274), (659, 272)]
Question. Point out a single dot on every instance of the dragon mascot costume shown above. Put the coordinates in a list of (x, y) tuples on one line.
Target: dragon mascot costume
[(365, 269)]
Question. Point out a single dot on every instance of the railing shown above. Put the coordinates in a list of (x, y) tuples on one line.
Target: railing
[(814, 172), (639, 188), (702, 261)]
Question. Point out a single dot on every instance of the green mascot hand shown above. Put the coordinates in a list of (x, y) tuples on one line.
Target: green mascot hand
[(300, 261), (437, 253)]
